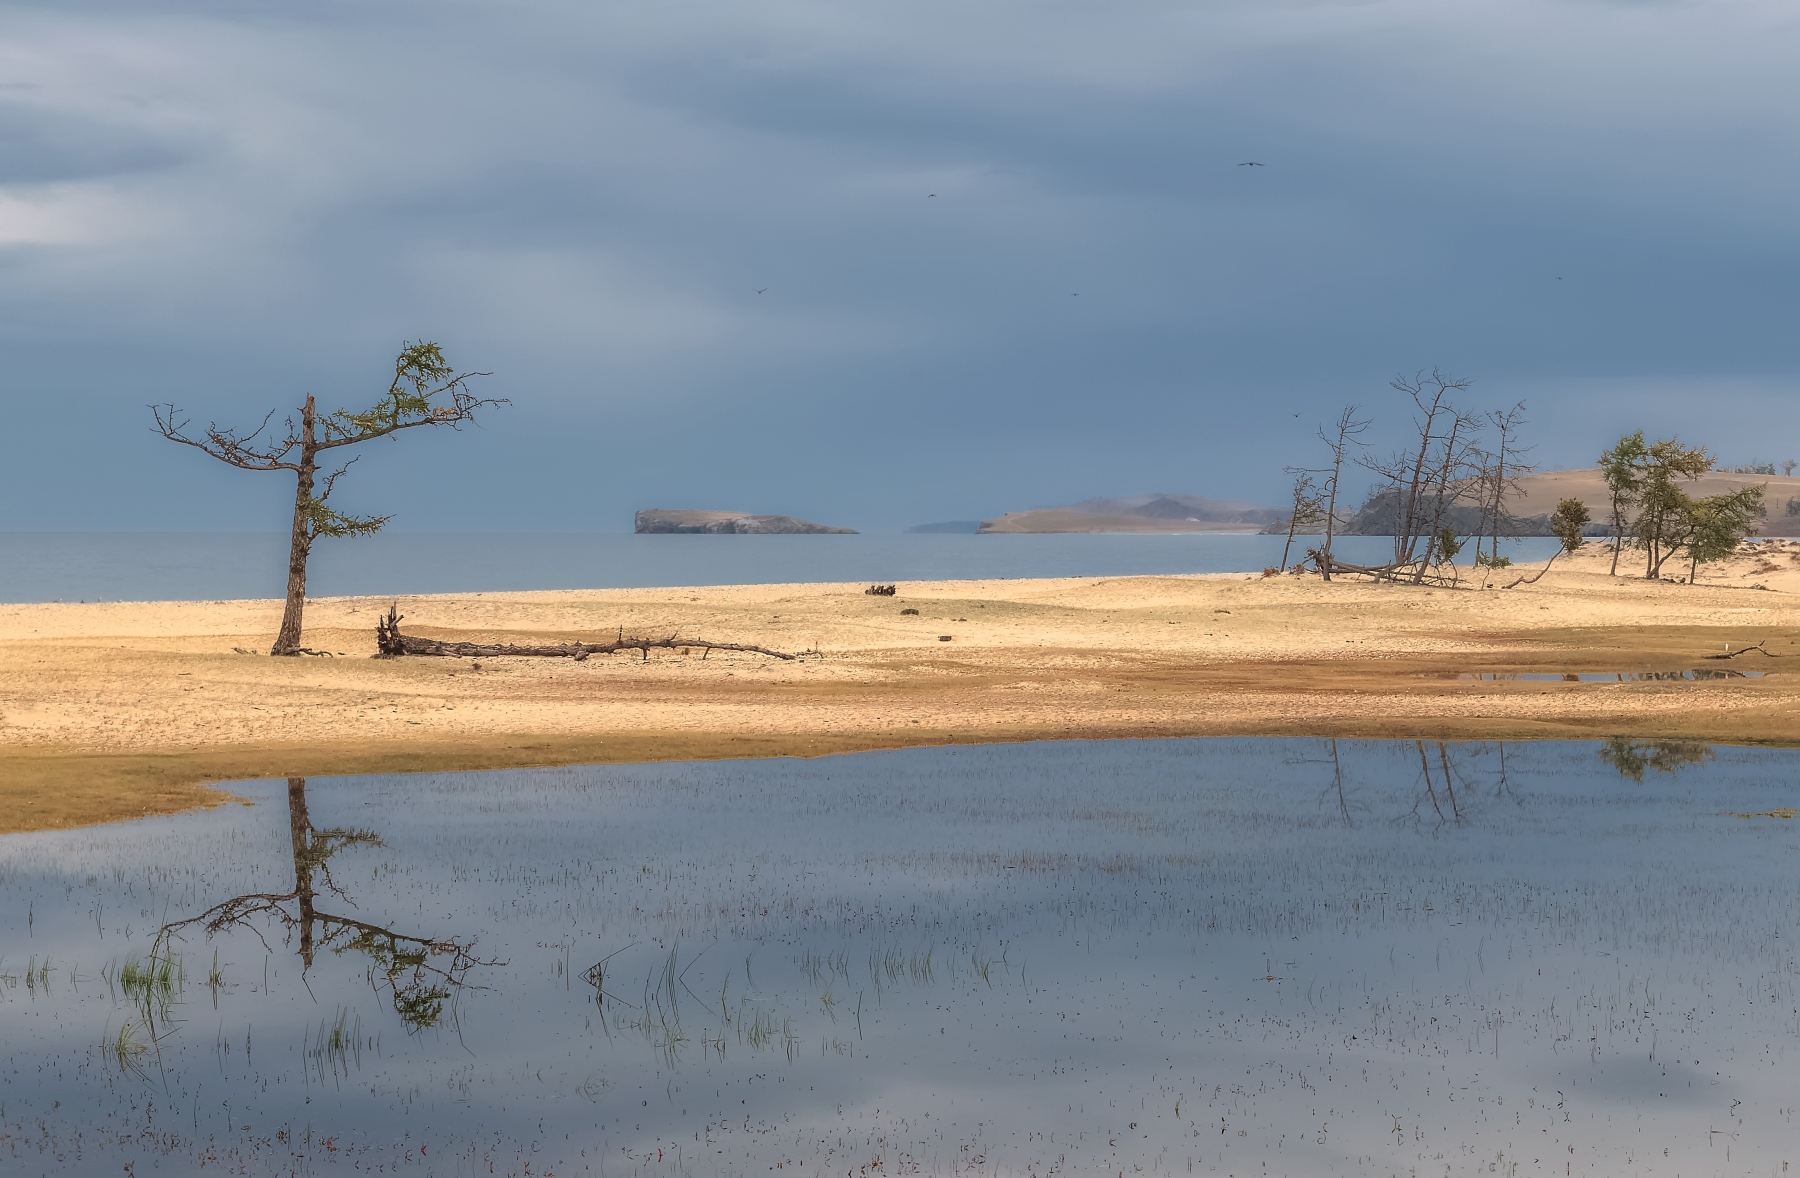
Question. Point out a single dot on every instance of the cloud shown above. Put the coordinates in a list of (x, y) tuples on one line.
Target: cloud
[(986, 234)]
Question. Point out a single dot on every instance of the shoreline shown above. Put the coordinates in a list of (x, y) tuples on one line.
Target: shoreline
[(121, 710)]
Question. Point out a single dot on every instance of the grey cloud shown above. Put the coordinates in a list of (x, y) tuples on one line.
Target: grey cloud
[(230, 206)]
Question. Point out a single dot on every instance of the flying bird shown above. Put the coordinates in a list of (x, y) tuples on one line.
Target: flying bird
[(1250, 164), (929, 195), (760, 291)]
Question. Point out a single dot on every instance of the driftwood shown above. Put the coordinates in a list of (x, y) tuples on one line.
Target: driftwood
[(1734, 653), (1532, 580), (393, 644), (1410, 572)]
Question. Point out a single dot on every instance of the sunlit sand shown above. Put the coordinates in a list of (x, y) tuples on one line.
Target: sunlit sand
[(110, 711)]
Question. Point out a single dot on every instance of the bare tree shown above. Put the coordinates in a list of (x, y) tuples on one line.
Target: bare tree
[(1338, 440), (1501, 477), (425, 391), (1425, 484)]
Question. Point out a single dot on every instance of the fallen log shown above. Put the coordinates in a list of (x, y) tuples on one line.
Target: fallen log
[(1412, 572), (1759, 647), (1532, 580), (393, 644)]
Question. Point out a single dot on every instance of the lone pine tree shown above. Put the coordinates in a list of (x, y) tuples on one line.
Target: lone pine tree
[(425, 391)]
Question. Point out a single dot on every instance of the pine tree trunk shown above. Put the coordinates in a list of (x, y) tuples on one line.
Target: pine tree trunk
[(300, 834), (300, 542)]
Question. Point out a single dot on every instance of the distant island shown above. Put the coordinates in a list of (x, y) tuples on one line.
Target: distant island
[(966, 526), (1139, 513), (666, 521)]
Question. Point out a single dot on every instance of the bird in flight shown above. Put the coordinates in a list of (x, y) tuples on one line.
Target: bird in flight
[(928, 195), (760, 291), (1250, 164)]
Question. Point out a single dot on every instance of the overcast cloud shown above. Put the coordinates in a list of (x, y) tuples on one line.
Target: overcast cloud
[(1586, 205)]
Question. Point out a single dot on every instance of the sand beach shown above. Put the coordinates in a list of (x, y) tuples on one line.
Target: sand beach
[(115, 710)]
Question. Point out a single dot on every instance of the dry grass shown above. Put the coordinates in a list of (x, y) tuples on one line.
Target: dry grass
[(114, 711)]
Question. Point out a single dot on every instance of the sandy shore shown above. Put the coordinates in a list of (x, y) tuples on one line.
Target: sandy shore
[(110, 711)]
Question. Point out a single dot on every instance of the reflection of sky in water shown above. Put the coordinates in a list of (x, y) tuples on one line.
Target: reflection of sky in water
[(1067, 958)]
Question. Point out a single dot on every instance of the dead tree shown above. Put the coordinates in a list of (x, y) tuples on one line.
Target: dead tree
[(1338, 440), (1425, 483), (1502, 478), (425, 391), (393, 644)]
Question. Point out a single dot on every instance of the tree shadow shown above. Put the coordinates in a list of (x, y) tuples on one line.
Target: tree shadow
[(420, 974)]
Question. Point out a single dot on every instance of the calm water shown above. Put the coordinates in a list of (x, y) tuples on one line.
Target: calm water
[(1209, 956), (137, 566)]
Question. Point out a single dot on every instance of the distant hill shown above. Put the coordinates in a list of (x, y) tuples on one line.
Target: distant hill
[(1157, 512), (666, 521), (1542, 492), (1539, 494)]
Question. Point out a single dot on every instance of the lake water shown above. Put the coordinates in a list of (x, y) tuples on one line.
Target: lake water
[(185, 566), (1199, 956)]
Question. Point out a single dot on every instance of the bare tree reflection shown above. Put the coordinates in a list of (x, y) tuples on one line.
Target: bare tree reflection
[(421, 974), (1632, 758), (1503, 787), (1438, 799), (1337, 785)]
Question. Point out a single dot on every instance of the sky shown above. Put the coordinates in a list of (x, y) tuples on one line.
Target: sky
[(876, 263)]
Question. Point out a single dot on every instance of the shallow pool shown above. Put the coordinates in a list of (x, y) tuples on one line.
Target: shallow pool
[(1209, 956)]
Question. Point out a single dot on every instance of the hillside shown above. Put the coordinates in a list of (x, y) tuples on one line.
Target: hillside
[(1138, 513), (1540, 493)]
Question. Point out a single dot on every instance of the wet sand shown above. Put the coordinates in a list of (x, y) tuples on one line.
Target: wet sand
[(111, 711)]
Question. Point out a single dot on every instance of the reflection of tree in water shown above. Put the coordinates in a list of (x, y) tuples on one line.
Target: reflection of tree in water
[(1440, 792), (1633, 757), (1451, 782), (421, 974)]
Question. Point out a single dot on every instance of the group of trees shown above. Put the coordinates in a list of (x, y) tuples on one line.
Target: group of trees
[(1449, 484), (1650, 506), (1454, 478)]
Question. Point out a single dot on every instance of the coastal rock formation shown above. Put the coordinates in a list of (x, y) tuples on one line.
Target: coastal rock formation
[(665, 521), (1139, 513)]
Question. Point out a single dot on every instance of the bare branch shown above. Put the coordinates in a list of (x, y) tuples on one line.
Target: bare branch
[(227, 445)]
